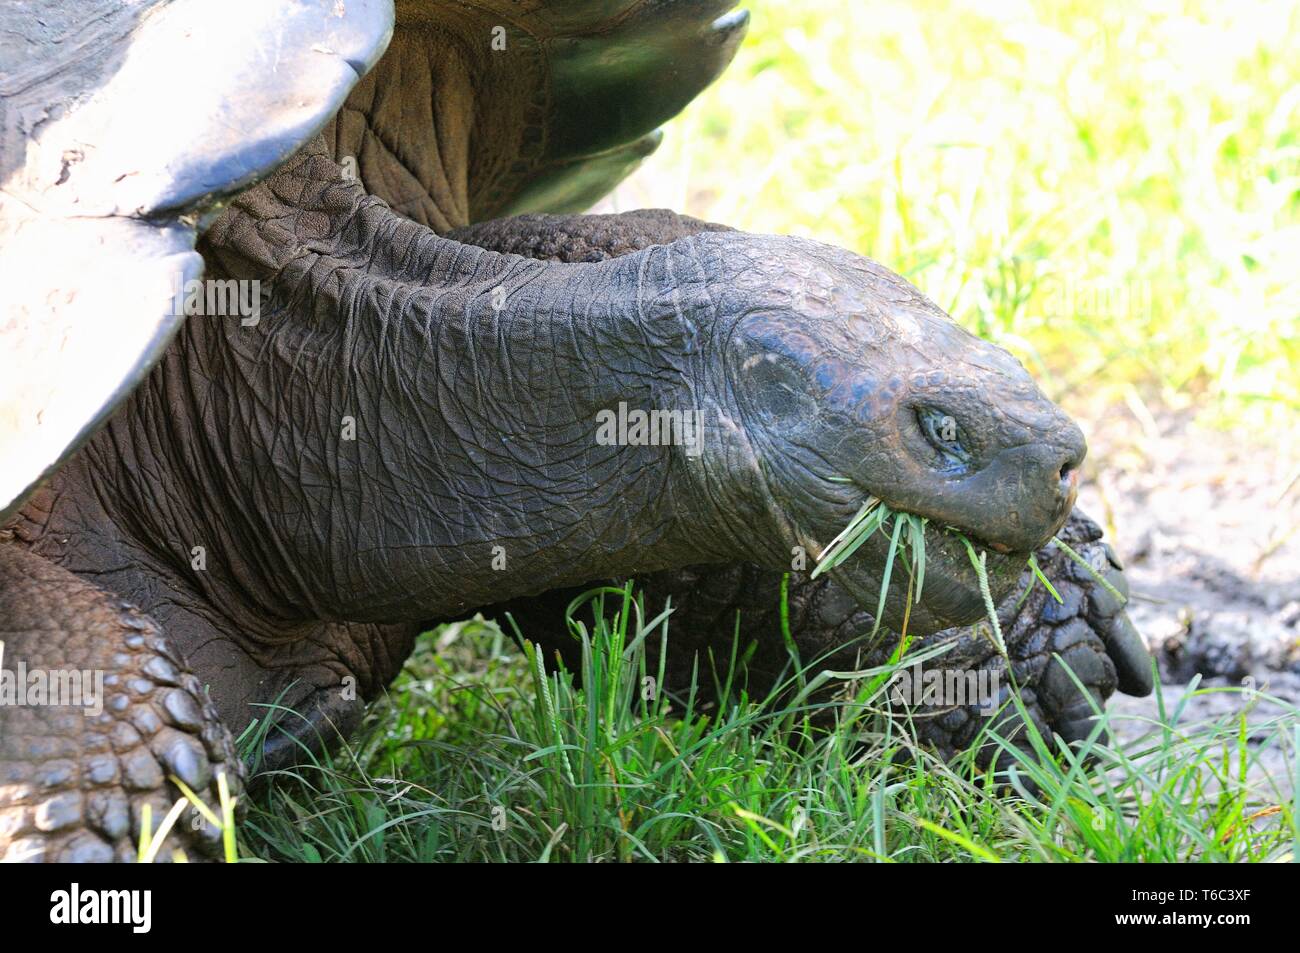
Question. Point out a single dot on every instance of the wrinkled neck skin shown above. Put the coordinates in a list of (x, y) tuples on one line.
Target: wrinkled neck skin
[(412, 427)]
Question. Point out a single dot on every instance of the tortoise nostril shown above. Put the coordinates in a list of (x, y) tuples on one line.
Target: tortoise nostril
[(1075, 450), (1068, 477), (1069, 472)]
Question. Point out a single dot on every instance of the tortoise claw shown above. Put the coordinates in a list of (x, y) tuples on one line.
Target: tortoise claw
[(1129, 653)]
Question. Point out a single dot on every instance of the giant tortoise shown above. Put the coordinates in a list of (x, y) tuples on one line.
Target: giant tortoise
[(382, 406)]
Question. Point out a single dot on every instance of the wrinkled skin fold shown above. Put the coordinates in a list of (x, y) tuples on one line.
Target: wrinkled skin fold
[(805, 364)]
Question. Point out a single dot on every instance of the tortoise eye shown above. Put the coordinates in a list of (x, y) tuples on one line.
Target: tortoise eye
[(944, 434)]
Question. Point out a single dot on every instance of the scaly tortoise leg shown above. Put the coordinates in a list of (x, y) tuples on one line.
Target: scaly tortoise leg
[(74, 781), (298, 699)]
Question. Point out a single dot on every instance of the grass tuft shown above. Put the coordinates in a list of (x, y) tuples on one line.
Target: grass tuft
[(469, 759)]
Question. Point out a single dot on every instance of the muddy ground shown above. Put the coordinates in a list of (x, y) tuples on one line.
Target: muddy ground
[(1208, 526)]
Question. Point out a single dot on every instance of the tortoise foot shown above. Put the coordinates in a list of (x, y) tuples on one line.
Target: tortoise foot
[(101, 723)]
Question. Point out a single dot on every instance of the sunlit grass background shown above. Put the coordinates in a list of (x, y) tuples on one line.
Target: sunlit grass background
[(1110, 190)]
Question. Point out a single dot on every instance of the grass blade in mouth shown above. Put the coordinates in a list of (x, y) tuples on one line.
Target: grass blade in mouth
[(1036, 576), (889, 571), (1038, 573), (909, 532), (980, 563), (916, 535), (864, 523), (1087, 567)]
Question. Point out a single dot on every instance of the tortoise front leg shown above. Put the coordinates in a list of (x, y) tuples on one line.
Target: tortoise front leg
[(98, 715)]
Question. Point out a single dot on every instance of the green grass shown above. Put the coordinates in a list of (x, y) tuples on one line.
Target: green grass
[(486, 752), (1110, 190)]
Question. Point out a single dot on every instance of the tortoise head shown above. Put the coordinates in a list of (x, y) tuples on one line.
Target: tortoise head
[(847, 383)]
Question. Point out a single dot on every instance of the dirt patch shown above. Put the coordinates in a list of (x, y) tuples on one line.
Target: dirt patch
[(1208, 526)]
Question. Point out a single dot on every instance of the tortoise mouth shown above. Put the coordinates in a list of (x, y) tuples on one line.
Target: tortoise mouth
[(950, 590), (951, 595), (1004, 509)]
